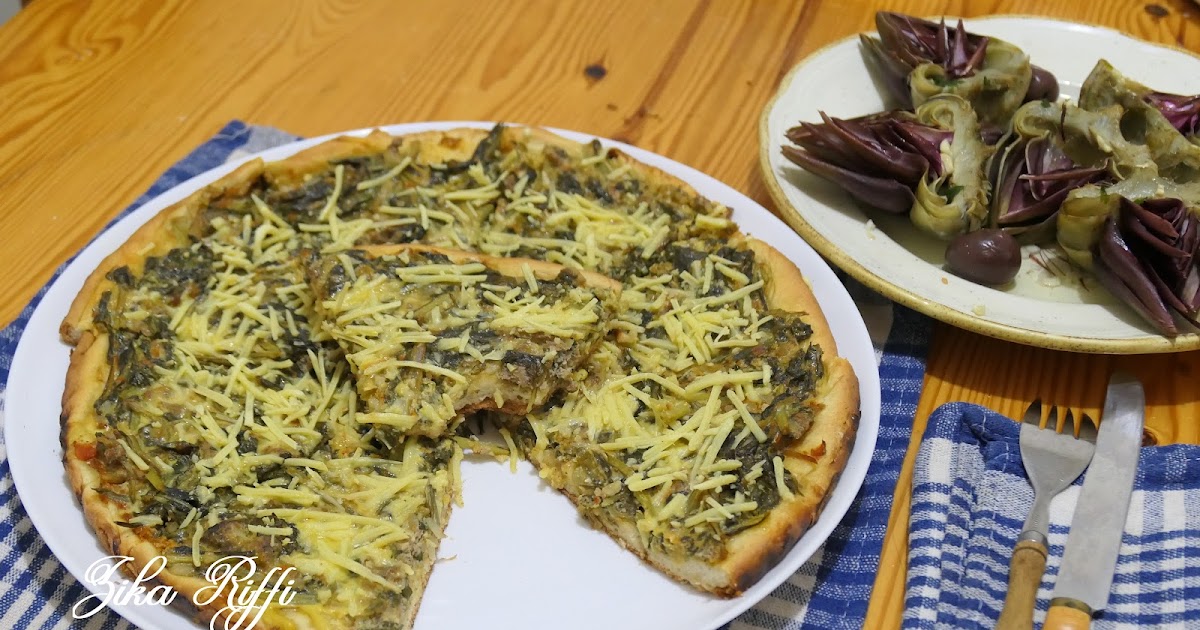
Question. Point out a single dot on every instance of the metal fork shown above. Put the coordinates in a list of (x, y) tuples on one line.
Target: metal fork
[(1054, 457)]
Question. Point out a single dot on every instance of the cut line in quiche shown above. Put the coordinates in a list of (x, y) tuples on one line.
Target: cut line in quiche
[(432, 334)]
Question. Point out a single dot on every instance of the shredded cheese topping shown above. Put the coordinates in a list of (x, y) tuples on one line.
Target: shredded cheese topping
[(427, 337), (317, 386)]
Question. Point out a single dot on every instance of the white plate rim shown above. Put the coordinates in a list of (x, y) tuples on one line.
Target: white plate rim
[(960, 314), (31, 435)]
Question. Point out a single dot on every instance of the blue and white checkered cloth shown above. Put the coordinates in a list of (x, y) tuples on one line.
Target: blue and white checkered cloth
[(829, 592), (970, 499)]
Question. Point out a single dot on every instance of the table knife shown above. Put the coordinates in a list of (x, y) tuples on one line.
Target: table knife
[(1094, 541)]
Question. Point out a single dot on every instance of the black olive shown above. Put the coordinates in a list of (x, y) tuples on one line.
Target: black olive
[(988, 256), (1043, 86)]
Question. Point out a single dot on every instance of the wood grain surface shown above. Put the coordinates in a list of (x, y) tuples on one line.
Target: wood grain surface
[(97, 99)]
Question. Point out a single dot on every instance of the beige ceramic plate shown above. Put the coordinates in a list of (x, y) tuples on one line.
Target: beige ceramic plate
[(1049, 304)]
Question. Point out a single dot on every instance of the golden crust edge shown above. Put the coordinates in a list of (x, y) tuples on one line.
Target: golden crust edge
[(646, 170), (164, 231), (829, 440), (318, 156), (787, 289)]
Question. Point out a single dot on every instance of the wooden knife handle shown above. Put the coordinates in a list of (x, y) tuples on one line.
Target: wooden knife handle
[(1024, 576), (1064, 616)]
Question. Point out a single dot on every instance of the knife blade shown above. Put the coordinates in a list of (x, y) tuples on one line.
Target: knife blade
[(1094, 540)]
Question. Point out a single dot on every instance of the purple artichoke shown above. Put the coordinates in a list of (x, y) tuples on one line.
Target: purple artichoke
[(869, 157), (917, 59), (1033, 173), (929, 164), (1147, 256)]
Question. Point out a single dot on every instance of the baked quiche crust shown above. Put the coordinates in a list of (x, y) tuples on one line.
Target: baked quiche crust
[(549, 199)]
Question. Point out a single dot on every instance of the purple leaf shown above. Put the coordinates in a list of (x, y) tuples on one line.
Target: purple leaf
[(1150, 214), (1120, 271), (885, 194), (1183, 112), (927, 141), (884, 157), (1136, 232)]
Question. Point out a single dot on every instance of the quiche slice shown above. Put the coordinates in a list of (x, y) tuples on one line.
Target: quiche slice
[(432, 334), (205, 419), (707, 436), (162, 472)]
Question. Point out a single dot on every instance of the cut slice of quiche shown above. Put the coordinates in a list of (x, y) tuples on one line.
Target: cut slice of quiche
[(708, 433), (433, 333), (204, 422)]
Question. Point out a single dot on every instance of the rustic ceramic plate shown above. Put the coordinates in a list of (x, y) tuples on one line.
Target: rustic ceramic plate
[(1049, 304), (517, 554)]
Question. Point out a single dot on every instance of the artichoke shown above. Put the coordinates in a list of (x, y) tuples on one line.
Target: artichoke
[(1146, 256), (1139, 237), (955, 201), (1154, 119), (929, 164), (1051, 150), (1083, 213), (917, 59), (865, 156)]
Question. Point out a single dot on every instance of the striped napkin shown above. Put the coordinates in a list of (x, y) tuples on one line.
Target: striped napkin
[(970, 499), (829, 592)]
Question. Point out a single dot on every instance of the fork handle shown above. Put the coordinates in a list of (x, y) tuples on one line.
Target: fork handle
[(1024, 577), (1068, 614)]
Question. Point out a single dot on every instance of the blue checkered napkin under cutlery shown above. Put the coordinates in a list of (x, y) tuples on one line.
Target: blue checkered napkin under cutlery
[(970, 499), (830, 591)]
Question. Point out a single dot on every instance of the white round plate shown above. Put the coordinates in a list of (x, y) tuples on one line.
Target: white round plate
[(1059, 310), (517, 555)]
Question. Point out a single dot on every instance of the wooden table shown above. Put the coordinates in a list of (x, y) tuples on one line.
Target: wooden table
[(98, 99)]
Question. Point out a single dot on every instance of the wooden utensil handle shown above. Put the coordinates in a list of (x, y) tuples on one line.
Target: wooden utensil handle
[(1024, 576), (1064, 617)]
